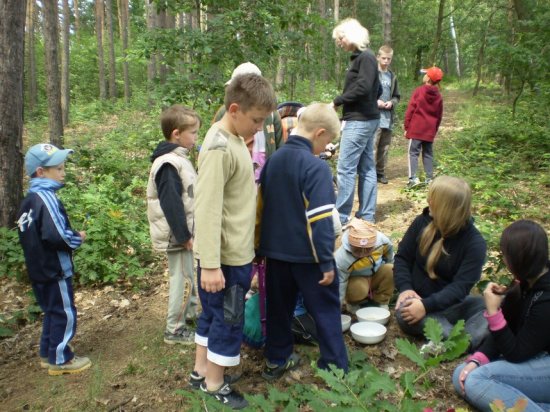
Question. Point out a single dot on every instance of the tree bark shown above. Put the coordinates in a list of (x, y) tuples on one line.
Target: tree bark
[(438, 32), (12, 57), (76, 17), (31, 70), (386, 19), (123, 9), (65, 59), (455, 43), (151, 25), (100, 57), (481, 53), (338, 65), (53, 81), (112, 63)]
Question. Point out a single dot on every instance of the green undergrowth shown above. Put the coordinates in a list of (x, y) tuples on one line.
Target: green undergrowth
[(364, 387)]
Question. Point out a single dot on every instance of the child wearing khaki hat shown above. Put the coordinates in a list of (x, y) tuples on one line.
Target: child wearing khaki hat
[(365, 265)]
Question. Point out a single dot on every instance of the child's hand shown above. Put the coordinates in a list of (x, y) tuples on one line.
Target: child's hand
[(189, 244), (212, 280), (328, 277), (493, 296), (82, 234), (403, 296), (413, 311)]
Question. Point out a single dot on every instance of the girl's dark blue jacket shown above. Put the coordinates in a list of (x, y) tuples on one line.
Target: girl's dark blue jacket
[(295, 203), (45, 233), (457, 271)]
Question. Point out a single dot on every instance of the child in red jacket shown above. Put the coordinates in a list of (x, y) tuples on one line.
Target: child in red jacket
[(422, 121)]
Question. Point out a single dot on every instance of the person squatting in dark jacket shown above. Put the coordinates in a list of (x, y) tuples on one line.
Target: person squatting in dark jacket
[(422, 120), (48, 242), (295, 234), (513, 363), (438, 261)]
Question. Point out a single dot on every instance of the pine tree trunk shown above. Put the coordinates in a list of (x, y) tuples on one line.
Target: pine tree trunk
[(65, 59), (53, 81), (12, 58), (110, 34), (100, 58), (438, 32), (386, 19), (123, 11), (455, 43), (151, 25), (76, 17), (31, 70)]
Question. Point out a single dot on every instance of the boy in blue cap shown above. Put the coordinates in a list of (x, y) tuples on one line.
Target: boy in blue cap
[(48, 242)]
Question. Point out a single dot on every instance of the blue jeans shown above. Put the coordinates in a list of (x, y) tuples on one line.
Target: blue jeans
[(357, 158), (508, 382)]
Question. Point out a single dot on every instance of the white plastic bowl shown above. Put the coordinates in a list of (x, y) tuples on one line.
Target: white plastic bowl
[(373, 314), (368, 332), (346, 322)]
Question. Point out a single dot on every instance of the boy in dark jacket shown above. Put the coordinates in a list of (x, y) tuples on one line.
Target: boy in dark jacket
[(48, 241), (295, 233), (422, 120)]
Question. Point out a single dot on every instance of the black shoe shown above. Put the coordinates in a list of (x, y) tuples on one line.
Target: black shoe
[(382, 179), (273, 372), (227, 396), (195, 379)]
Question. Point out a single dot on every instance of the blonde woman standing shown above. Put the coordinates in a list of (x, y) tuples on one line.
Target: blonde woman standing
[(438, 261), (359, 101)]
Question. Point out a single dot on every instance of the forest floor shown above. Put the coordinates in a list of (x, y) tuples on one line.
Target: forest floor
[(120, 328)]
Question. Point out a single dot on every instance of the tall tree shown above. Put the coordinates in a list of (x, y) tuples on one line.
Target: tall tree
[(65, 65), (100, 56), (386, 19), (123, 10), (12, 57), (151, 25), (31, 66), (112, 63), (76, 17), (53, 81), (438, 32)]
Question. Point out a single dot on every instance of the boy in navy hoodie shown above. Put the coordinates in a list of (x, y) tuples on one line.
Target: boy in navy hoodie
[(295, 233), (48, 242), (422, 120)]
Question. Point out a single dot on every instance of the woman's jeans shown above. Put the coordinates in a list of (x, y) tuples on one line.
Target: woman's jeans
[(509, 382), (470, 309), (357, 158)]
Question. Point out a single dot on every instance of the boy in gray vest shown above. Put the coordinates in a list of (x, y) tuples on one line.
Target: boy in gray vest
[(386, 104), (170, 206)]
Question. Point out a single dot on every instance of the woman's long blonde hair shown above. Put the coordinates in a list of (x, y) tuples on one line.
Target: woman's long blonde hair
[(450, 207)]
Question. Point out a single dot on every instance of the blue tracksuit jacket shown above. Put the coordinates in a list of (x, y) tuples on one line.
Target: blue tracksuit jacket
[(45, 233)]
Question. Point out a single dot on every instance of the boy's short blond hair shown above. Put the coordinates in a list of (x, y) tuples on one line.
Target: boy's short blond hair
[(248, 91), (385, 49), (177, 117), (319, 115)]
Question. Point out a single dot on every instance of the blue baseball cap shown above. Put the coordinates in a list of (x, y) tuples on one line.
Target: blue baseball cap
[(44, 155)]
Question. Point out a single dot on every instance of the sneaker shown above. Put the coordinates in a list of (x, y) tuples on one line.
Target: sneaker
[(75, 365), (185, 337), (413, 181), (195, 380), (273, 371), (352, 308), (382, 179), (44, 363), (428, 181), (227, 395)]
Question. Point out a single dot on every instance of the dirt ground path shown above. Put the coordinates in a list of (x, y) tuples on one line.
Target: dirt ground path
[(120, 328)]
